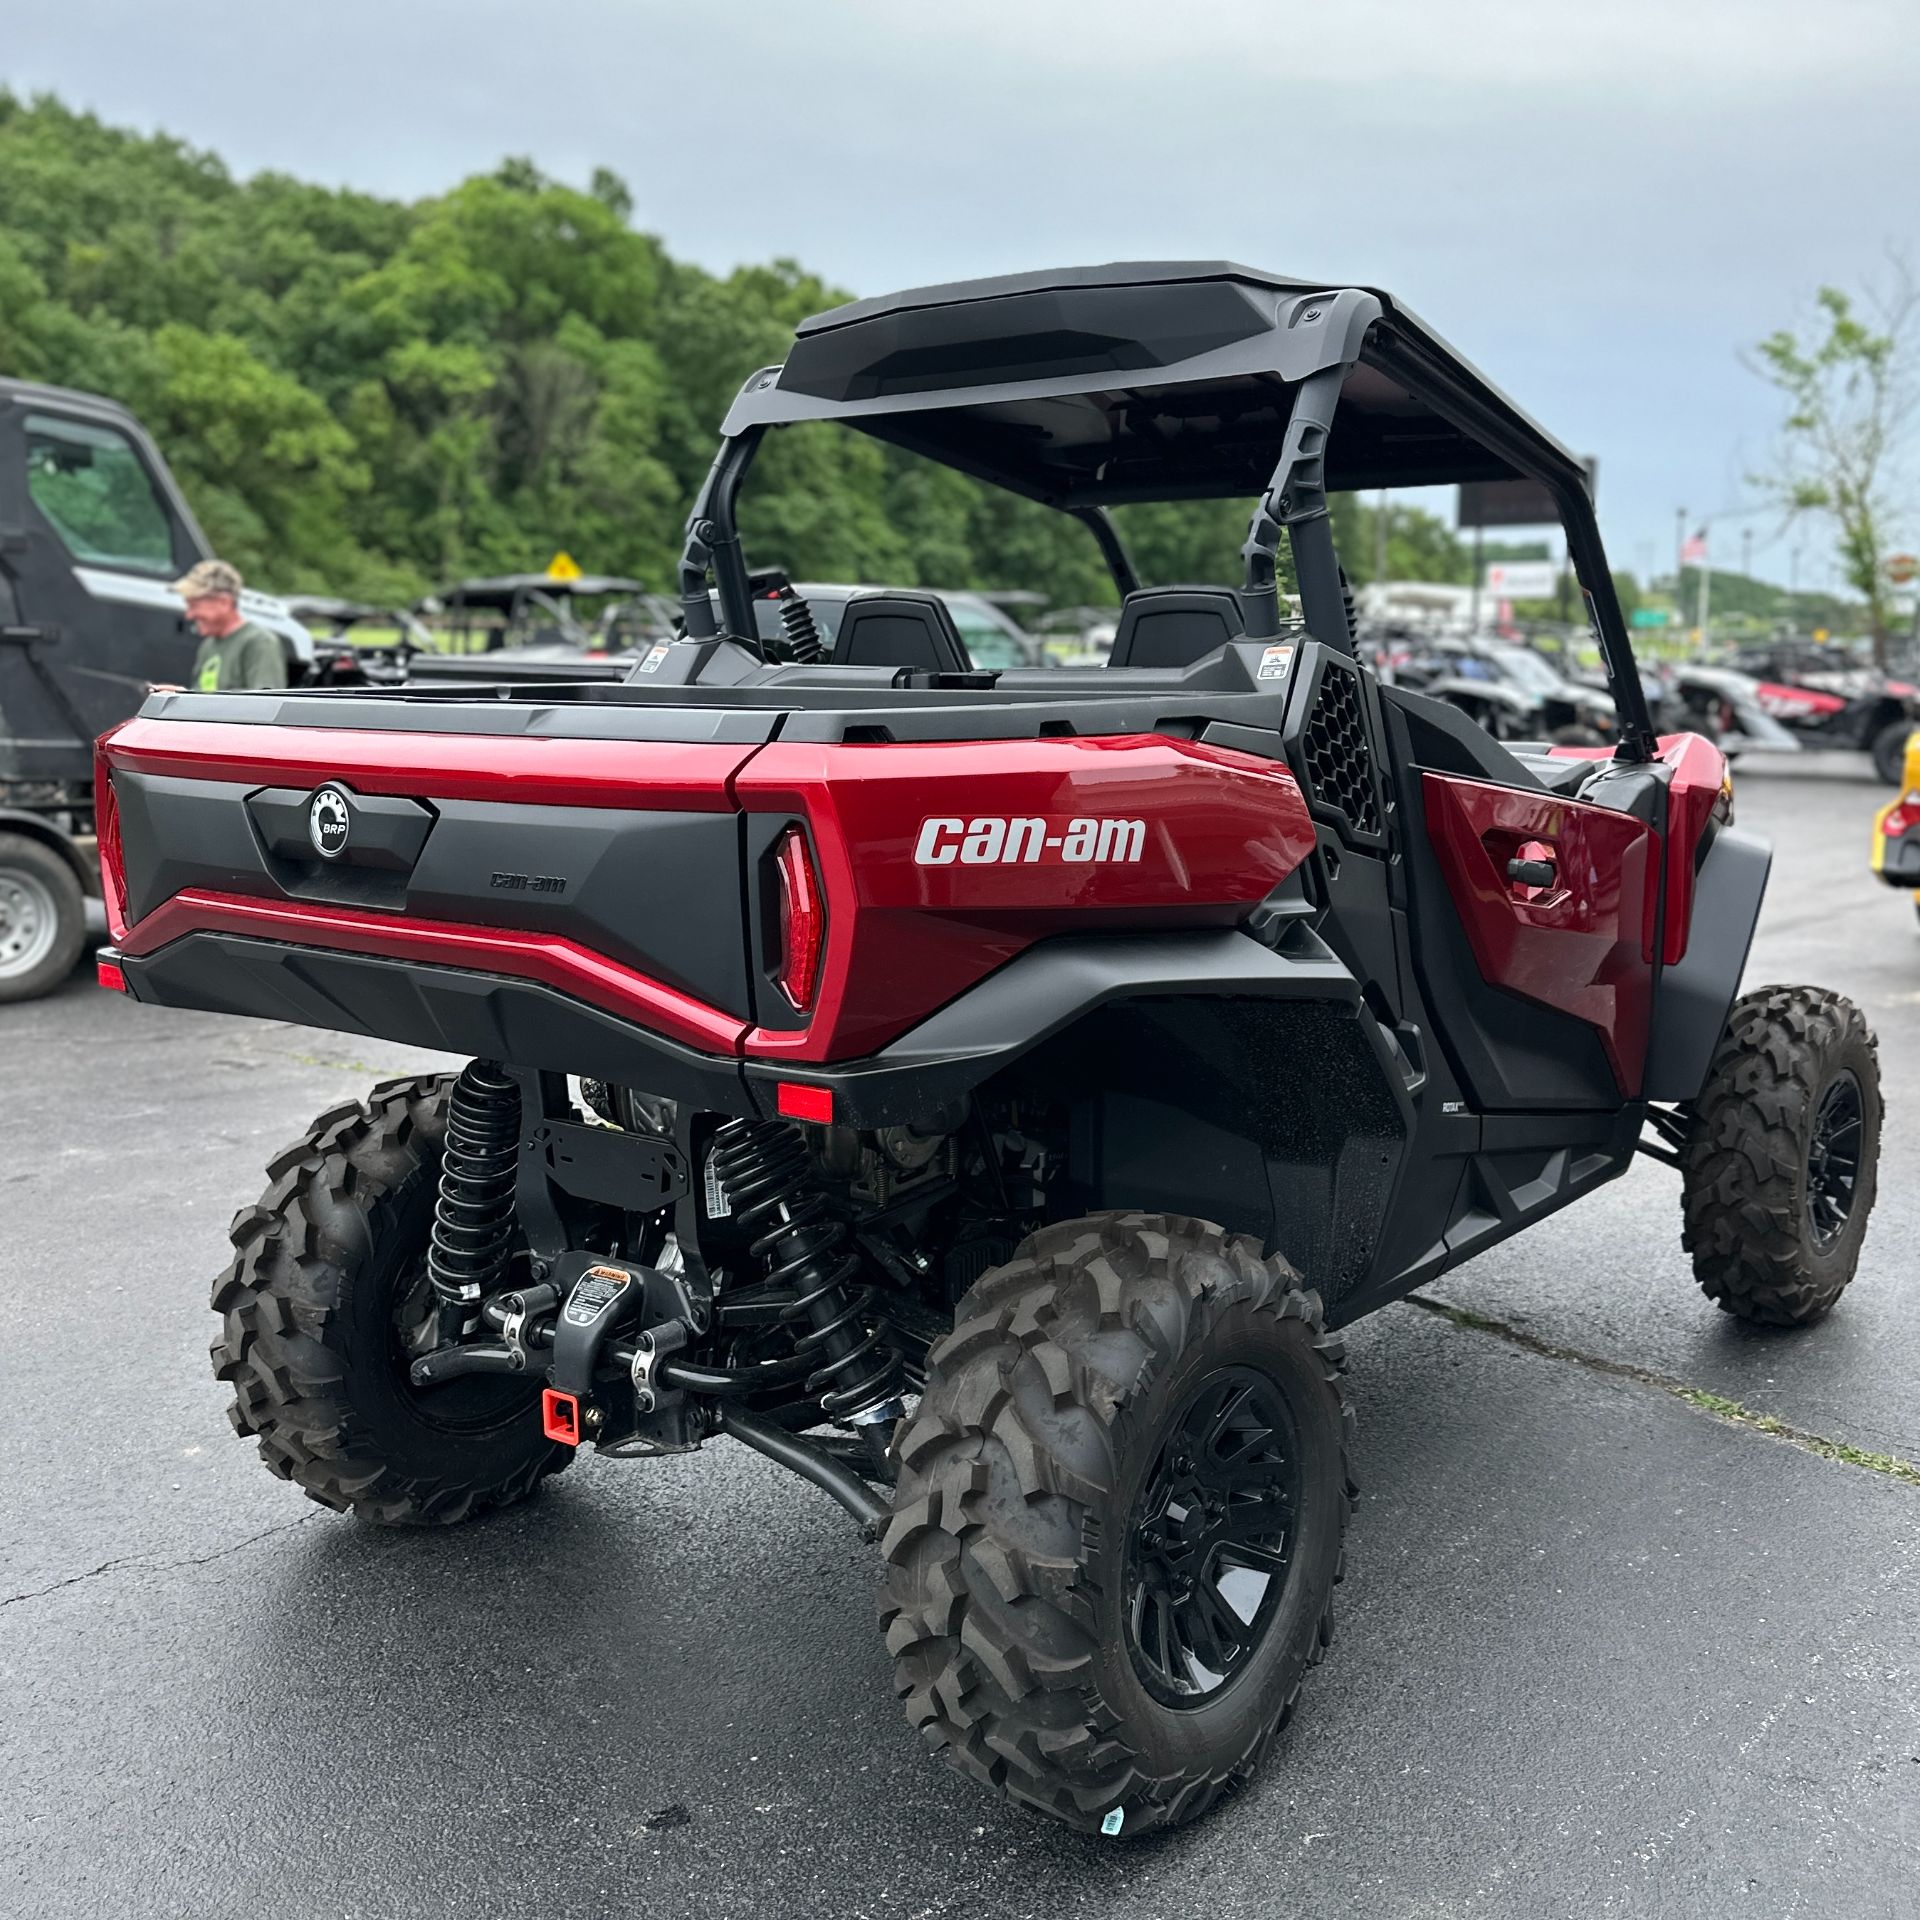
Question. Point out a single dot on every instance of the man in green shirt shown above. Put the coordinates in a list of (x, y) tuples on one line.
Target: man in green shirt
[(234, 651)]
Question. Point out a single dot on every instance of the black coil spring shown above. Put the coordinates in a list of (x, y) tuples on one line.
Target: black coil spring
[(803, 637), (763, 1166), (473, 1216)]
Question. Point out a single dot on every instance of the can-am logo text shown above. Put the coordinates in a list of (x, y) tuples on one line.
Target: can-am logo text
[(1028, 841)]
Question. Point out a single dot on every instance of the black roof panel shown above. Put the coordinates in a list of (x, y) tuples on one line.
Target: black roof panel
[(1140, 380)]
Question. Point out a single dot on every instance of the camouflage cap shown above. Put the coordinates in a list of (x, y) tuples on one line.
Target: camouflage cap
[(210, 576)]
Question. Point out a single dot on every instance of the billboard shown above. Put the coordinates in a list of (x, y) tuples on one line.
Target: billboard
[(1511, 503)]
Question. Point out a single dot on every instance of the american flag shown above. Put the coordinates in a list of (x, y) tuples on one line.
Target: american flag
[(1694, 552)]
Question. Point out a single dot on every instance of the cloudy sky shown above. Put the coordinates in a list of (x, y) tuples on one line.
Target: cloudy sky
[(1602, 203)]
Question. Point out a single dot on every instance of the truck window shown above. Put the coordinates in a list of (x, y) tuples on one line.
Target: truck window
[(97, 496)]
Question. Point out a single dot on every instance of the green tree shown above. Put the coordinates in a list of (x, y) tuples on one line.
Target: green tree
[(377, 396), (1850, 392)]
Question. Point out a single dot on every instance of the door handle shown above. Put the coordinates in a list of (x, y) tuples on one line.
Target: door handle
[(1532, 873)]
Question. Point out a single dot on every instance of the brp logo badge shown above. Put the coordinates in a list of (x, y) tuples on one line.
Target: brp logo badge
[(328, 822)]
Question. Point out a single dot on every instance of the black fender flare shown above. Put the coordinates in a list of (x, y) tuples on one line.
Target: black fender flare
[(1691, 1002), (1043, 991)]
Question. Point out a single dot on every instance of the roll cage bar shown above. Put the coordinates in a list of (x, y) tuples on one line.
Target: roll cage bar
[(1162, 381)]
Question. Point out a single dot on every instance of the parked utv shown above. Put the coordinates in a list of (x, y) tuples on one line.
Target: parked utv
[(1511, 691), (1896, 828), (1827, 697), (92, 531), (986, 1093)]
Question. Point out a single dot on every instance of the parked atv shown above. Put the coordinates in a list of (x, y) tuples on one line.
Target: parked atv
[(985, 1093), (92, 531)]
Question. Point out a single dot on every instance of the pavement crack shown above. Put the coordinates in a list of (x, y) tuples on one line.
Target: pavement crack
[(158, 1566), (1890, 1466)]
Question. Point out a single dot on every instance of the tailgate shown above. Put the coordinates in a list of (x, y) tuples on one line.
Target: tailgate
[(596, 863)]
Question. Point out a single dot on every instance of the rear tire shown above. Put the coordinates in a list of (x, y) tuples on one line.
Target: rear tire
[(1889, 750), (1027, 1606), (327, 1283), (1779, 1166), (43, 918)]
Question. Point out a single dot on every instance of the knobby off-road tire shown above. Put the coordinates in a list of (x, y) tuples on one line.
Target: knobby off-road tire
[(43, 918), (1772, 1221), (327, 1279), (1011, 1562), (1889, 750)]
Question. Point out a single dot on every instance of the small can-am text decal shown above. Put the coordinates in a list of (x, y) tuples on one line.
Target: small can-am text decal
[(1030, 840)]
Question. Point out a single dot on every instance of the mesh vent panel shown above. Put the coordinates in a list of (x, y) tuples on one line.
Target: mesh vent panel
[(1334, 752)]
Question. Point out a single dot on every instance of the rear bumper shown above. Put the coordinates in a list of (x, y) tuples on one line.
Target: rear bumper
[(532, 1023), (488, 1016)]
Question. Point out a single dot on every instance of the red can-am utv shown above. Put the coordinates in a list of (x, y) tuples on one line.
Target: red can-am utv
[(984, 1093)]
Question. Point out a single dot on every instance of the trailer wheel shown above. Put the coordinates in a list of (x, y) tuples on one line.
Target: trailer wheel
[(1779, 1166), (43, 918), (326, 1302), (1120, 1516)]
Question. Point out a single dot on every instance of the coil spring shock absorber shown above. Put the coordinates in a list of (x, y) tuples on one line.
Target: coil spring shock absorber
[(763, 1166), (796, 621), (473, 1217)]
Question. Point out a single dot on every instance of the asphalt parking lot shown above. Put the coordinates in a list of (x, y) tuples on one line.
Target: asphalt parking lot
[(1603, 1649)]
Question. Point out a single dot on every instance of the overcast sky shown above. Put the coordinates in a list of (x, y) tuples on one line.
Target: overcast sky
[(1602, 203)]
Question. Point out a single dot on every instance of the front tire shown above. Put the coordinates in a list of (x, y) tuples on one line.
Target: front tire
[(1779, 1166), (43, 918), (325, 1303), (1120, 1516), (1889, 750)]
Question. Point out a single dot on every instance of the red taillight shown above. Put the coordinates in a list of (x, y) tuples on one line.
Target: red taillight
[(803, 920), (106, 828), (110, 976), (1898, 821)]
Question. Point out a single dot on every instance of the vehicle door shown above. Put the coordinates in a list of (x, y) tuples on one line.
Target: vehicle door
[(93, 533), (1534, 911)]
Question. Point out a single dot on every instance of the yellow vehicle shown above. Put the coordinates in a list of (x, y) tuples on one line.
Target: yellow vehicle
[(1896, 830)]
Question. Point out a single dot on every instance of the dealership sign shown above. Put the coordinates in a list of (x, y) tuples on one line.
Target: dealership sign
[(1522, 579)]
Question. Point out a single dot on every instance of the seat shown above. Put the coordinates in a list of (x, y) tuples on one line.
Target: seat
[(899, 630), (1175, 626)]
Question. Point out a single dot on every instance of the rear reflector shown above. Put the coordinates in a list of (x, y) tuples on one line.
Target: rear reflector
[(111, 977), (802, 920), (560, 1416), (797, 1102)]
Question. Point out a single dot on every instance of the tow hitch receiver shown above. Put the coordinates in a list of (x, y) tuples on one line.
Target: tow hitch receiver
[(560, 1416)]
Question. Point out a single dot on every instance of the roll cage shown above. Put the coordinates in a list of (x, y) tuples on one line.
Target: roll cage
[(1162, 381)]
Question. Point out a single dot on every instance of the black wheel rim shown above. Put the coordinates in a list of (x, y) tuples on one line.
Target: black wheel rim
[(1212, 1538), (1833, 1159)]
